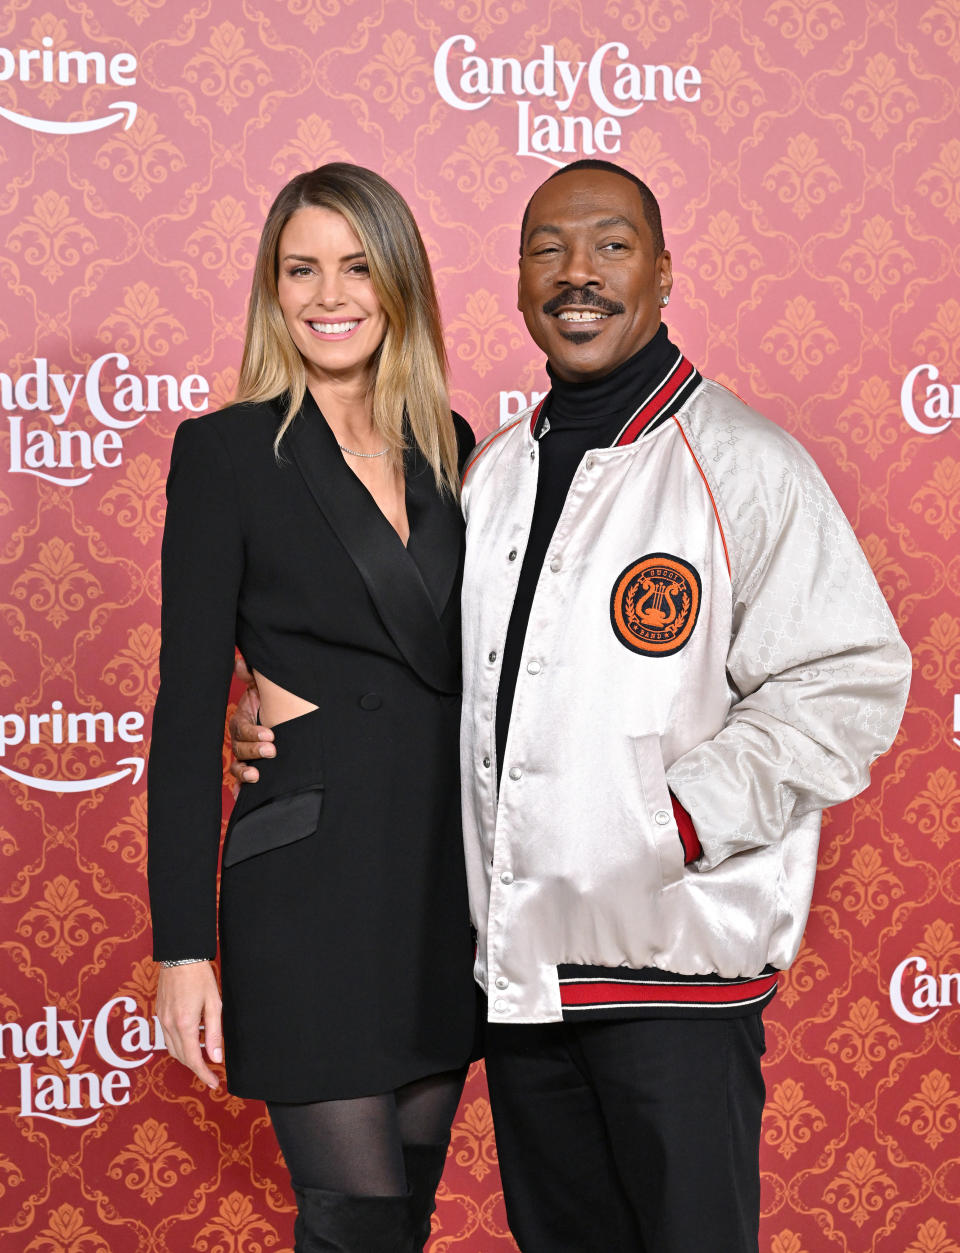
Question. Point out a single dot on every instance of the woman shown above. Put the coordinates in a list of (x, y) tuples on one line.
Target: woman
[(314, 524)]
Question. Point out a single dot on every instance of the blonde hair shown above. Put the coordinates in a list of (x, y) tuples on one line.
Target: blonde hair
[(410, 366)]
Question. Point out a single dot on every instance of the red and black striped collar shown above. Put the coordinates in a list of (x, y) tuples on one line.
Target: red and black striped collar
[(663, 400)]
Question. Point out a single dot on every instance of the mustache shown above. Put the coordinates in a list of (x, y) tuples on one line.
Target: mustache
[(584, 296)]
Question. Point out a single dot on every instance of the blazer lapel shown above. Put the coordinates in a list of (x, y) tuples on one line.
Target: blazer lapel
[(392, 578), (436, 530)]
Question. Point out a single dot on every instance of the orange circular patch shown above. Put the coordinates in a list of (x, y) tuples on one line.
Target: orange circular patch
[(654, 604)]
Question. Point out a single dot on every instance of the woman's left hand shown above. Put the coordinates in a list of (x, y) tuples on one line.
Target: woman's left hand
[(188, 996)]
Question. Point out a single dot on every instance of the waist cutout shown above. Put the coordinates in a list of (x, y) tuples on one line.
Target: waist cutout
[(297, 765)]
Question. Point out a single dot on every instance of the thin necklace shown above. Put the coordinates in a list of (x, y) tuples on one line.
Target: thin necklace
[(382, 453)]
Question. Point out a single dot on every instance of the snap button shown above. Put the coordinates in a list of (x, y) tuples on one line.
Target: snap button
[(533, 667), (486, 762), (516, 772), (590, 463), (499, 1006), (512, 555), (533, 455), (661, 817), (492, 655), (371, 701), (556, 565), (506, 878), (502, 982)]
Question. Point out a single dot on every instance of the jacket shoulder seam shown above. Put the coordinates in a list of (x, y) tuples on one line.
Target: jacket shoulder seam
[(710, 492)]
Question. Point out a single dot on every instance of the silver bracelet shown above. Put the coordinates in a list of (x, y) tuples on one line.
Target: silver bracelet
[(183, 961)]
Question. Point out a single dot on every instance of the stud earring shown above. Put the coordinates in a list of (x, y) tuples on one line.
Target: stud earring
[(664, 301)]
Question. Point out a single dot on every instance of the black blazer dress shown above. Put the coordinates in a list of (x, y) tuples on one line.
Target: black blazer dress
[(345, 945)]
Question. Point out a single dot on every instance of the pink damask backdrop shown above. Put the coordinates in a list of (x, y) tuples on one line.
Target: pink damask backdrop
[(807, 157)]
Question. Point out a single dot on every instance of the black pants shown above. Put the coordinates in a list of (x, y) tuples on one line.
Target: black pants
[(629, 1136)]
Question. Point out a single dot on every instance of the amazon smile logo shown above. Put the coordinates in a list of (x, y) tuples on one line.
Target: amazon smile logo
[(66, 66), (62, 768)]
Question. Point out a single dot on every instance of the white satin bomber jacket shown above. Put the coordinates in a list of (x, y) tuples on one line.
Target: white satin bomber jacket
[(705, 623)]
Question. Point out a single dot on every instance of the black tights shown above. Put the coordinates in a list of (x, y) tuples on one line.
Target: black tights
[(356, 1146)]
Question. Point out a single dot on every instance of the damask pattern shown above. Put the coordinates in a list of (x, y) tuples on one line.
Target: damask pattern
[(807, 159)]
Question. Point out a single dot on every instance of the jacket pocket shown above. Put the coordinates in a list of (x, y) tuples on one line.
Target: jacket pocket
[(658, 808), (281, 821)]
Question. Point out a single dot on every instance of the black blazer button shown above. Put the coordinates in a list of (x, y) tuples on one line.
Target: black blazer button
[(372, 700)]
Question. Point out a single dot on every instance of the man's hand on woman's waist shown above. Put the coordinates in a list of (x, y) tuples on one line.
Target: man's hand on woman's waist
[(248, 739)]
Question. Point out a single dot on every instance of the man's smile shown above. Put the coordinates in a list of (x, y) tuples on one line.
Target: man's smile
[(581, 315), (582, 312), (581, 302)]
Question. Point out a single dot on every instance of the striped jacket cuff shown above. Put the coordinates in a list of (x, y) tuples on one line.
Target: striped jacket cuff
[(692, 850)]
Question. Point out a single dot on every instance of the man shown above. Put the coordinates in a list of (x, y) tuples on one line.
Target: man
[(675, 655)]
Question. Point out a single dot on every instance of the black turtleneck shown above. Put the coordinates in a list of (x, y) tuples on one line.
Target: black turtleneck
[(575, 418)]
